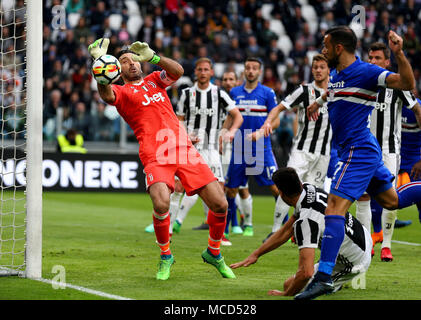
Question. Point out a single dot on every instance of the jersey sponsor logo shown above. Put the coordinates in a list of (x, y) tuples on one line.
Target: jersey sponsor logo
[(242, 101), (381, 106), (205, 112), (157, 97), (339, 84)]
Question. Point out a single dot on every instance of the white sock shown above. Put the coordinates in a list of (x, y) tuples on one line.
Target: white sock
[(239, 203), (247, 205), (281, 210), (186, 204), (363, 213), (174, 203), (327, 184), (388, 225)]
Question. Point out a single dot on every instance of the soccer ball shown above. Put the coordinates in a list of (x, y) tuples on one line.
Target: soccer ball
[(106, 69)]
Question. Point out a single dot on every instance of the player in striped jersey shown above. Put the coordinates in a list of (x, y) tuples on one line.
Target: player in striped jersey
[(200, 108), (410, 168), (352, 94), (310, 151), (251, 158), (385, 126), (307, 225)]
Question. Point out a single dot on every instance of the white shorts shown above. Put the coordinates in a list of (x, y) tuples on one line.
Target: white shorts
[(226, 157), (310, 167), (392, 161), (213, 159)]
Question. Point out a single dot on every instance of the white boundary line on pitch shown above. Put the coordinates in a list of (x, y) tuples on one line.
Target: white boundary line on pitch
[(407, 243), (82, 289)]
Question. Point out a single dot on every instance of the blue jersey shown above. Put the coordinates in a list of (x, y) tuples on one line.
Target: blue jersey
[(352, 95), (254, 107), (411, 140)]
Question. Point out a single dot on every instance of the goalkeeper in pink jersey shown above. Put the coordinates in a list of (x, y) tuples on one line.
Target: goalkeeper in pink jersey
[(164, 147)]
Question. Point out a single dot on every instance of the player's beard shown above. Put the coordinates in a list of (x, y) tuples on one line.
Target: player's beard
[(252, 79), (333, 62), (133, 77)]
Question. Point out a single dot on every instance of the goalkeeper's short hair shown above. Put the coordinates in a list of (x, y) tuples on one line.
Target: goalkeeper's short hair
[(123, 51)]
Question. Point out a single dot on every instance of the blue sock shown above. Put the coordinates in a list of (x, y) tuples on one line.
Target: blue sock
[(232, 211), (409, 194), (234, 220), (332, 239), (376, 215)]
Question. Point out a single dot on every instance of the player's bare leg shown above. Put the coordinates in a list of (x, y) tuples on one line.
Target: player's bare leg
[(213, 195), (160, 196)]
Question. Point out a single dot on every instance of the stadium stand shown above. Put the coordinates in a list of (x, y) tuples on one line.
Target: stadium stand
[(225, 31)]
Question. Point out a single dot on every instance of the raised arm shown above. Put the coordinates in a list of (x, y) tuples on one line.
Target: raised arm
[(404, 79), (145, 54)]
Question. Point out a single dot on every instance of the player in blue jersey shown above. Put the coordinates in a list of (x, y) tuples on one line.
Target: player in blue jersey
[(410, 169), (251, 158), (351, 96)]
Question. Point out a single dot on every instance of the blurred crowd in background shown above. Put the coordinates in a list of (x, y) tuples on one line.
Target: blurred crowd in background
[(283, 33)]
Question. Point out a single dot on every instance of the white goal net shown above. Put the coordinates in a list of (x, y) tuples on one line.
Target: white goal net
[(17, 137)]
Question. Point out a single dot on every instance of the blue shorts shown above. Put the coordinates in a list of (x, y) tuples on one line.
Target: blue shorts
[(332, 163), (360, 168), (262, 170)]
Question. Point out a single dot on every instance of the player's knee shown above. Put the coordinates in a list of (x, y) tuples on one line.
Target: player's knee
[(231, 193), (390, 204), (220, 206)]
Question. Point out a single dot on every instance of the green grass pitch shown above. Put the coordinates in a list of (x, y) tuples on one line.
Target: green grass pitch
[(100, 241)]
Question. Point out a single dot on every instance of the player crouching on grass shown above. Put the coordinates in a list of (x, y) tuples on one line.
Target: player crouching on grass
[(164, 147), (307, 225)]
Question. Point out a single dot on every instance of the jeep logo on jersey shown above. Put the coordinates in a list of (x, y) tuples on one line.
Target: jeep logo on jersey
[(205, 112), (155, 98), (381, 106)]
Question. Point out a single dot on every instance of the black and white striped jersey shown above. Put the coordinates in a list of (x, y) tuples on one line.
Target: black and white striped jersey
[(203, 113), (312, 136), (310, 224), (385, 120)]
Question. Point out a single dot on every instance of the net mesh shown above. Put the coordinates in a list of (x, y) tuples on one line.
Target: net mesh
[(12, 136)]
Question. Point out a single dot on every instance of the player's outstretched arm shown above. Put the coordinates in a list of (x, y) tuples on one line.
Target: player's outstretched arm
[(404, 79), (313, 109), (304, 273), (271, 120), (276, 240), (97, 49), (145, 54), (236, 122)]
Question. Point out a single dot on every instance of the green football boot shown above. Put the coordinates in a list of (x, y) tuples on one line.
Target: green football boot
[(164, 268), (248, 231), (219, 264), (176, 227), (149, 228)]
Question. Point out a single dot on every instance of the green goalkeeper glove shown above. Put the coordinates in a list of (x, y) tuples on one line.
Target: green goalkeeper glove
[(143, 53), (99, 48)]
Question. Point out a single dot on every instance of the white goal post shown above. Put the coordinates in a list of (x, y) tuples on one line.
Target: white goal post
[(33, 251), (21, 68)]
